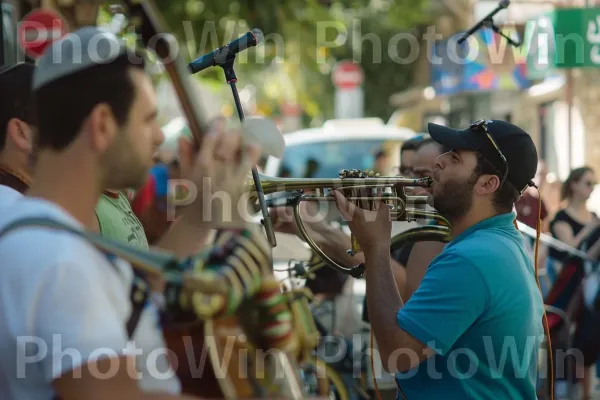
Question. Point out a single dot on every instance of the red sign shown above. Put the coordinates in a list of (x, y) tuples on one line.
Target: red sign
[(39, 29), (347, 75)]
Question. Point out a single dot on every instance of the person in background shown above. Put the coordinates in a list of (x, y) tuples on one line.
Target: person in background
[(418, 256), (382, 163), (311, 168), (574, 222), (587, 334), (407, 153), (285, 172), (572, 225), (16, 133), (591, 245), (143, 197), (151, 201)]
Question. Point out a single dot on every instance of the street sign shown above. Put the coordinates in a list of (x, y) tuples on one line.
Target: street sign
[(39, 29), (564, 39), (348, 78), (347, 75)]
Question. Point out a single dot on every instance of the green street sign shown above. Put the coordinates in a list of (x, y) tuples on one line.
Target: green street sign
[(564, 38), (538, 46)]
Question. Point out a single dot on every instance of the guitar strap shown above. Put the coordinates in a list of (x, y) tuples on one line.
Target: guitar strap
[(140, 290)]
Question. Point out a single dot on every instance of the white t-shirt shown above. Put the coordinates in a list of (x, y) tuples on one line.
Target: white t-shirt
[(8, 195), (61, 303)]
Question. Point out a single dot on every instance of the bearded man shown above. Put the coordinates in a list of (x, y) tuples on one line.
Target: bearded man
[(480, 294)]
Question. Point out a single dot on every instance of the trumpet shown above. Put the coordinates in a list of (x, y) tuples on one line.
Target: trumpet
[(366, 189)]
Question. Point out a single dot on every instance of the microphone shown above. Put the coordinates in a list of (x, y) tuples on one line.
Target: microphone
[(487, 19), (227, 53)]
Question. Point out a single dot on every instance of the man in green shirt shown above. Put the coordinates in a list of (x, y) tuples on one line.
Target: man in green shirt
[(116, 220)]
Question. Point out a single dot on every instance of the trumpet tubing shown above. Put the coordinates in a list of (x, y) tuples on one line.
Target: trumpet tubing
[(365, 190), (388, 189)]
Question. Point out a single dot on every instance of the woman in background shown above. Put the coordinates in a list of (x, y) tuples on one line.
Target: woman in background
[(572, 225)]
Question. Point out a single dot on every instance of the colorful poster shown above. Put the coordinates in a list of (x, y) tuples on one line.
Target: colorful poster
[(447, 69), (483, 63)]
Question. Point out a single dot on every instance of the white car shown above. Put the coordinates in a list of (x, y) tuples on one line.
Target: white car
[(339, 144)]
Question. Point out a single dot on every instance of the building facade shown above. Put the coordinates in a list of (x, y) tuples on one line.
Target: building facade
[(550, 85)]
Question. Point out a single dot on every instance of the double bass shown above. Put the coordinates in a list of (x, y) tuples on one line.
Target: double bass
[(249, 351)]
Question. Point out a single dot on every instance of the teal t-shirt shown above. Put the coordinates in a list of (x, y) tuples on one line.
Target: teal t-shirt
[(480, 309)]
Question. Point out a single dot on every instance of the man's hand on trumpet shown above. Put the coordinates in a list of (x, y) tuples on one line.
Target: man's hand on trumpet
[(316, 225), (371, 228)]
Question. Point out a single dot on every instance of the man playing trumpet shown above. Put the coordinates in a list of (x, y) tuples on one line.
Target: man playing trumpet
[(479, 296)]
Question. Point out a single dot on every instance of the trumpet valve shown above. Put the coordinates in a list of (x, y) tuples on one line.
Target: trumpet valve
[(388, 193)]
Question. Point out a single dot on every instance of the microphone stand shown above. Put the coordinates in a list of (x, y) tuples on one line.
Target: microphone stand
[(231, 79), (489, 22)]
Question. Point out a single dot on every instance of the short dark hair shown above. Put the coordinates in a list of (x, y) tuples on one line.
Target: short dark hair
[(427, 142), (15, 96), (410, 144), (63, 105), (506, 196), (574, 176), (380, 154)]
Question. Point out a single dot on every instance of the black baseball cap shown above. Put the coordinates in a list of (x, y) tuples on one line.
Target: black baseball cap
[(516, 145)]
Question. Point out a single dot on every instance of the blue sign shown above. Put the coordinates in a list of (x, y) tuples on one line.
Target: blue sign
[(447, 69), (477, 65)]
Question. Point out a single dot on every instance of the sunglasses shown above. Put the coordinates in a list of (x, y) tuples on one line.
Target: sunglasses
[(481, 126)]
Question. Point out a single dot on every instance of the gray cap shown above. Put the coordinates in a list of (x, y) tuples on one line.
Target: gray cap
[(75, 52)]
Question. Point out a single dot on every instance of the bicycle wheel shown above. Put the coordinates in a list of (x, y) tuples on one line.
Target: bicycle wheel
[(322, 380)]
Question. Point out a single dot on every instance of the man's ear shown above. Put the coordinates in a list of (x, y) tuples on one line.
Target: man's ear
[(487, 184), (20, 134), (100, 127)]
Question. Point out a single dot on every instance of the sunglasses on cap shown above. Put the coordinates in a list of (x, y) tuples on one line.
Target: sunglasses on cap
[(481, 127)]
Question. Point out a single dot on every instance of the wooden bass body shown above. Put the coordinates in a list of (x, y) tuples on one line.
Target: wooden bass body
[(229, 358)]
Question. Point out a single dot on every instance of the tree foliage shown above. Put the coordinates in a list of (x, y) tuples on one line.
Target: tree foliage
[(303, 41)]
